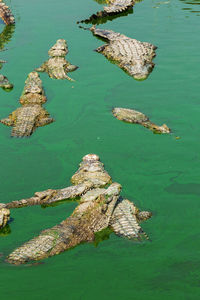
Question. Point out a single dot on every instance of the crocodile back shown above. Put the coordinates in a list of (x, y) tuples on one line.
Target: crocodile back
[(25, 122), (124, 222)]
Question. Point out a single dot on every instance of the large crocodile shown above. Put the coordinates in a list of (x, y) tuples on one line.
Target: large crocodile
[(57, 66), (31, 115), (133, 56), (136, 117), (114, 8), (98, 209), (6, 14)]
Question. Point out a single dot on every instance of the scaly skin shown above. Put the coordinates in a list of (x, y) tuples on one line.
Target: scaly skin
[(133, 56), (90, 175), (113, 8), (6, 14), (4, 217), (57, 66), (5, 83), (136, 117), (98, 209), (31, 115)]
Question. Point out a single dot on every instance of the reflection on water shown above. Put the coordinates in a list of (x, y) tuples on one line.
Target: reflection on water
[(6, 35), (5, 231), (193, 6), (102, 17), (96, 20)]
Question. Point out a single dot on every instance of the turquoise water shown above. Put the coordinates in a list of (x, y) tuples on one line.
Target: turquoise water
[(157, 172)]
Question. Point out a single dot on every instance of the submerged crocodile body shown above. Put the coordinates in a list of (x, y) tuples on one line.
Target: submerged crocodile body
[(133, 56), (31, 115), (113, 8), (57, 66), (136, 117), (6, 14), (98, 209)]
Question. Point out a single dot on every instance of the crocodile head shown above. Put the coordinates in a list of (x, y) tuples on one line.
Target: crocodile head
[(138, 71), (59, 49), (143, 215), (33, 84)]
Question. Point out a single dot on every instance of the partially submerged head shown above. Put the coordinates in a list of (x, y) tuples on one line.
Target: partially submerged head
[(33, 84), (143, 215), (138, 71), (59, 49), (5, 84)]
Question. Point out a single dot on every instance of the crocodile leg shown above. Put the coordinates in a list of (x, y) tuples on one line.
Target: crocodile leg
[(45, 121), (50, 196), (7, 121), (42, 68)]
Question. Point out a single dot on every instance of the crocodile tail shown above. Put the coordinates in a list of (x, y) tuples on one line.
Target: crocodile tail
[(52, 241)]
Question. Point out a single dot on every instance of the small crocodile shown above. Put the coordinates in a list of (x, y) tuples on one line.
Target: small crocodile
[(57, 66), (4, 217), (31, 115), (98, 209), (113, 8), (136, 117), (6, 14), (133, 56), (5, 83)]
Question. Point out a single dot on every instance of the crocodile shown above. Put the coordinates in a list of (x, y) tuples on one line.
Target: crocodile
[(98, 208), (6, 14), (91, 174), (4, 217), (114, 8), (133, 56), (5, 83), (57, 66), (31, 115), (136, 117), (5, 37)]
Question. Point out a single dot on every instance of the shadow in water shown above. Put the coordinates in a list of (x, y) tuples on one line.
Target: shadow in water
[(193, 6), (5, 231), (184, 189), (102, 18), (6, 35)]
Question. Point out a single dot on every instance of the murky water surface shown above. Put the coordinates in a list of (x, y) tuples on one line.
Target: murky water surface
[(157, 172)]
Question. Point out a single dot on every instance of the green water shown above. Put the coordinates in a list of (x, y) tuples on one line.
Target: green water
[(157, 172)]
